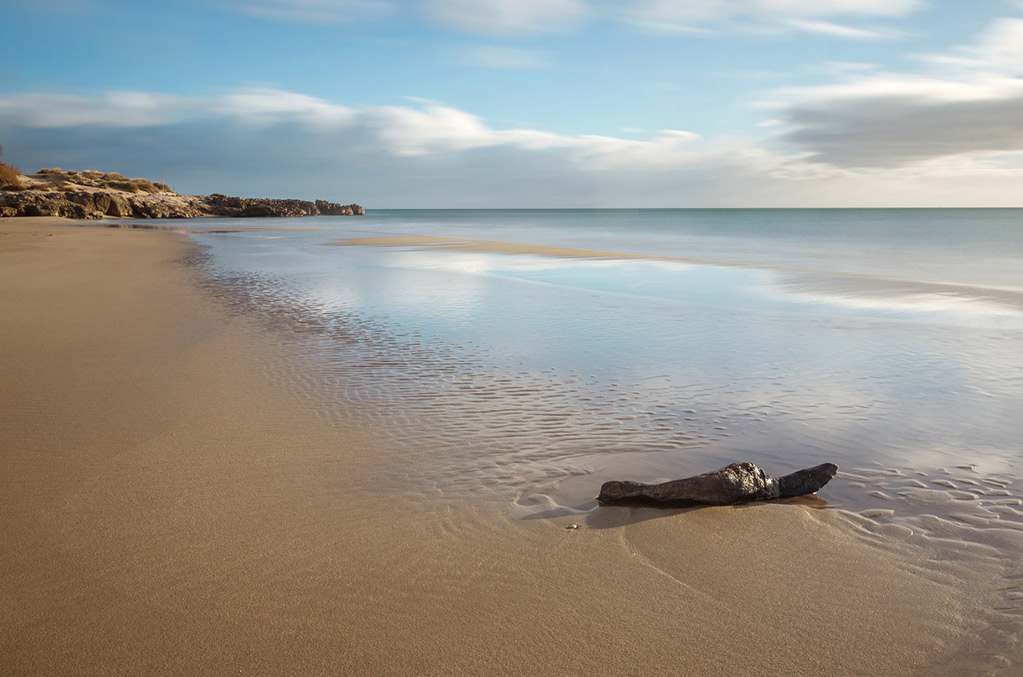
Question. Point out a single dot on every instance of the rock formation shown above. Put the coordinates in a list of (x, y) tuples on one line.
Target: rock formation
[(94, 195), (736, 483), (222, 205)]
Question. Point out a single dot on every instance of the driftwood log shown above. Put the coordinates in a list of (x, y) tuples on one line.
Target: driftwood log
[(736, 483)]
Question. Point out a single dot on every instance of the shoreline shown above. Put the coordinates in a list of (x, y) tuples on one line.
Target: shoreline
[(173, 500)]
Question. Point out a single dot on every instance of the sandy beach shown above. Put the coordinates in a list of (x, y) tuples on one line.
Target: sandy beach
[(175, 499)]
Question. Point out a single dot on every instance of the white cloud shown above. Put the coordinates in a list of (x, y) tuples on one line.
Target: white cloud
[(430, 129), (428, 154), (270, 106), (433, 129), (827, 7), (315, 11), (1000, 48), (517, 18), (504, 17), (259, 106), (424, 128), (925, 89), (891, 119), (833, 29), (125, 109), (675, 135), (668, 15)]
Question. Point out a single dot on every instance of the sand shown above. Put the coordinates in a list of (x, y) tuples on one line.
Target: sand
[(174, 500)]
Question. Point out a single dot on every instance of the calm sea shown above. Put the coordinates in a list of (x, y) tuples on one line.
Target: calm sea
[(888, 341)]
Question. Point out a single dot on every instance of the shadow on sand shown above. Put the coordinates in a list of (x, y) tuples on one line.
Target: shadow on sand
[(592, 515)]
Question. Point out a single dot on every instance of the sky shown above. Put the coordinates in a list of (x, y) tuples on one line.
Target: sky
[(527, 103)]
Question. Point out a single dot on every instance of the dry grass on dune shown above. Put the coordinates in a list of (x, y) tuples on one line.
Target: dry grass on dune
[(97, 179), (10, 176)]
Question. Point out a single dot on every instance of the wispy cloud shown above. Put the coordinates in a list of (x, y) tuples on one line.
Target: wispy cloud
[(423, 131), (999, 48), (435, 129), (695, 15), (264, 106), (314, 11), (126, 109), (532, 17), (828, 7), (253, 106), (426, 153), (501, 17), (424, 127), (835, 30)]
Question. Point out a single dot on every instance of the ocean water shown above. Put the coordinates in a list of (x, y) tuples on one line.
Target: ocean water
[(522, 375), (887, 341), (876, 339)]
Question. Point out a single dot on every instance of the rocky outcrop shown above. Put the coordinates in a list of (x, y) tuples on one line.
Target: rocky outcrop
[(222, 205), (74, 204), (81, 204), (92, 194), (335, 209)]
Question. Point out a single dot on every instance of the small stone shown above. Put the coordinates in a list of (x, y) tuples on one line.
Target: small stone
[(572, 526)]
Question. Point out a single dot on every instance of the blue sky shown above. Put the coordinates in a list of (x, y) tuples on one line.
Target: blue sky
[(538, 103)]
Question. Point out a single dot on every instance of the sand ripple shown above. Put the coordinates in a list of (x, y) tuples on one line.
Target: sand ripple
[(959, 526)]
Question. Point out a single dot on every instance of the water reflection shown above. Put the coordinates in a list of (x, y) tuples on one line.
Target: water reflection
[(738, 287), (535, 378)]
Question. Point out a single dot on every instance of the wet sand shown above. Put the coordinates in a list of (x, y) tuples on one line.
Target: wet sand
[(174, 500)]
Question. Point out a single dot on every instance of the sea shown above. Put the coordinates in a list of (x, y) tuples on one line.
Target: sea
[(517, 359), (526, 356)]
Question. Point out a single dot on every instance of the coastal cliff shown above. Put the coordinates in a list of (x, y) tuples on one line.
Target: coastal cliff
[(94, 195)]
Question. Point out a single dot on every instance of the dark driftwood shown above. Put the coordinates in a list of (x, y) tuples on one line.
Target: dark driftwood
[(737, 483)]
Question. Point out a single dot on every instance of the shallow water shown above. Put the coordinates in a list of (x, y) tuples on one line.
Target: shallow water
[(887, 341), (514, 372)]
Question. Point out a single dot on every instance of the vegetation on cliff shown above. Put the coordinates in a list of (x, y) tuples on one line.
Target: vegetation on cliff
[(10, 176)]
